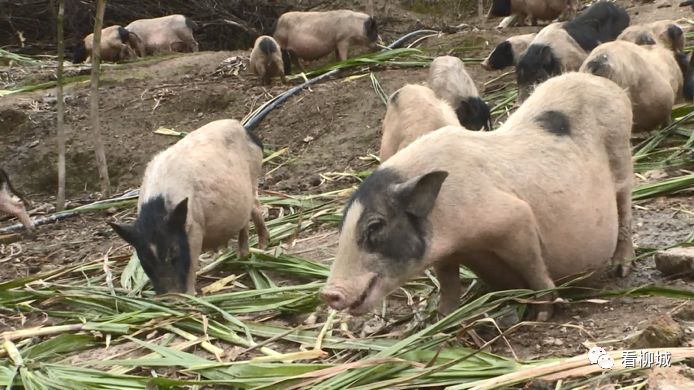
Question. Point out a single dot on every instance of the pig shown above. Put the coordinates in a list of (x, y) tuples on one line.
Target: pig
[(266, 59), (451, 82), (115, 46), (544, 198), (507, 52), (172, 33), (195, 196), (663, 32), (562, 48), (651, 76), (412, 111), (14, 203), (313, 35), (535, 9)]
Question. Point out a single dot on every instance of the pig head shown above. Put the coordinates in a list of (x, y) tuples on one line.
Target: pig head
[(384, 237)]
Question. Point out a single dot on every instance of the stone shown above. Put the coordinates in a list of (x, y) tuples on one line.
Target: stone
[(661, 332), (675, 261)]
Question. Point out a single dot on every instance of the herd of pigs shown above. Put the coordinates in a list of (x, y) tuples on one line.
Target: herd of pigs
[(542, 199)]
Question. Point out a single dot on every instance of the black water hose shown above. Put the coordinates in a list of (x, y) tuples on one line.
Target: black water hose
[(125, 200), (280, 99)]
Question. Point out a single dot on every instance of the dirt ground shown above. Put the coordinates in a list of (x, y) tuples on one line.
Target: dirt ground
[(326, 129)]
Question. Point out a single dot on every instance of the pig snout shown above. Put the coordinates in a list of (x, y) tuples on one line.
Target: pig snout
[(355, 295), (334, 297)]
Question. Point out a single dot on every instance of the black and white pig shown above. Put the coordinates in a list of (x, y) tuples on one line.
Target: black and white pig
[(650, 74), (195, 196), (115, 45), (452, 83), (560, 48), (411, 112), (544, 198), (266, 59), (171, 33), (313, 35), (507, 52), (662, 32)]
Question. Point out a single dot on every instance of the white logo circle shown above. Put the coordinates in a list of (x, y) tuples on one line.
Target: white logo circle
[(605, 362), (595, 353)]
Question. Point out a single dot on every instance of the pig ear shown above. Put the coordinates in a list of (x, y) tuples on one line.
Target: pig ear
[(418, 194), (546, 55), (126, 232), (178, 215)]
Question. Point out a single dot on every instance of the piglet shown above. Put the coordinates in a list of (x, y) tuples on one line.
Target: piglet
[(266, 59)]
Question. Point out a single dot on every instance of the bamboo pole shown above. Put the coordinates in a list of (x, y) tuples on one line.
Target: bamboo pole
[(94, 101)]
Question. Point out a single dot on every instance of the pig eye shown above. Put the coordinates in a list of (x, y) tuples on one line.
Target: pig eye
[(373, 228)]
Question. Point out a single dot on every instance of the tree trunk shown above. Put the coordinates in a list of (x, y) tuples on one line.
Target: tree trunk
[(60, 203), (94, 103), (480, 8)]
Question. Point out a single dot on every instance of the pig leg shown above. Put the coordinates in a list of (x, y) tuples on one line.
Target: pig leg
[(342, 50), (260, 228), (11, 206), (195, 243), (624, 252), (296, 61), (521, 250), (619, 152), (448, 275), (506, 22), (243, 242)]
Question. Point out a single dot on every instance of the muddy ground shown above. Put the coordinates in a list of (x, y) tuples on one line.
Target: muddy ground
[(327, 128)]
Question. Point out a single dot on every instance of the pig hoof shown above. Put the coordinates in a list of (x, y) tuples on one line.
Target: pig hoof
[(542, 313), (624, 269)]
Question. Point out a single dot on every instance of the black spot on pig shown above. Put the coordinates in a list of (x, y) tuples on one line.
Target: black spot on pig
[(371, 29), (598, 66), (555, 122), (537, 65), (502, 56), (394, 221), (123, 34), (645, 39), (601, 22), (267, 46), (161, 242), (473, 113), (674, 33), (501, 8), (191, 24)]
